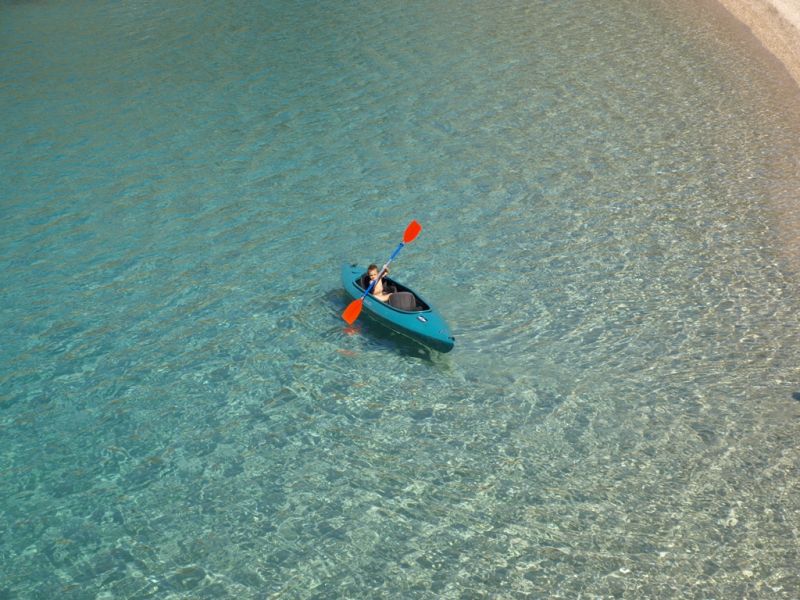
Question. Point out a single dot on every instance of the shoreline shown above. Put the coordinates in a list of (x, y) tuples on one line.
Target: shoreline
[(776, 24)]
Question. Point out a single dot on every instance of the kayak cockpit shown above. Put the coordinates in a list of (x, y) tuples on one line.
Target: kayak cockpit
[(403, 298)]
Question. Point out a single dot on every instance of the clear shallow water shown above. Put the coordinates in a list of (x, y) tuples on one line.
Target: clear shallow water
[(607, 192)]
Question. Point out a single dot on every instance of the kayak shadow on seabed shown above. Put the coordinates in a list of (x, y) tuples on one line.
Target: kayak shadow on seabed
[(375, 334)]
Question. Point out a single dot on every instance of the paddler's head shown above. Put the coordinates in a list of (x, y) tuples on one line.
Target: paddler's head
[(372, 272)]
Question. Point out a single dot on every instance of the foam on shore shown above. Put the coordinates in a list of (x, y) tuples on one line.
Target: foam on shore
[(776, 23)]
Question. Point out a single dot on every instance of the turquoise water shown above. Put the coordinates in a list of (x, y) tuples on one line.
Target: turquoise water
[(609, 200)]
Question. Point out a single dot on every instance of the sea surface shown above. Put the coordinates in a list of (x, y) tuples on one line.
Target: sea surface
[(609, 192)]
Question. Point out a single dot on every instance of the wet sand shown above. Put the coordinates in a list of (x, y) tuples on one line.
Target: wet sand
[(776, 23)]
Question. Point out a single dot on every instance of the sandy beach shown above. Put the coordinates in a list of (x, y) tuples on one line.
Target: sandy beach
[(776, 23)]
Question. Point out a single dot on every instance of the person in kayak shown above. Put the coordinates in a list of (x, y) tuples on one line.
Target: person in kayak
[(382, 290), (385, 291)]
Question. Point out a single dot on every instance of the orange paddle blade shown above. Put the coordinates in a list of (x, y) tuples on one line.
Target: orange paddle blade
[(412, 231), (352, 311)]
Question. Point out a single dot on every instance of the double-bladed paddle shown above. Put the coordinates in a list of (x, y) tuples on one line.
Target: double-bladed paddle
[(353, 309)]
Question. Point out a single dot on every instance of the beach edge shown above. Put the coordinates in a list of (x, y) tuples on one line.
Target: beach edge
[(776, 24)]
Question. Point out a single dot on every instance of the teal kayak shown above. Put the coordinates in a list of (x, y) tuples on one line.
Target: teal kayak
[(422, 323)]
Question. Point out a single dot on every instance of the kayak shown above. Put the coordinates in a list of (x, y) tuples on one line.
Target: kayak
[(422, 323)]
